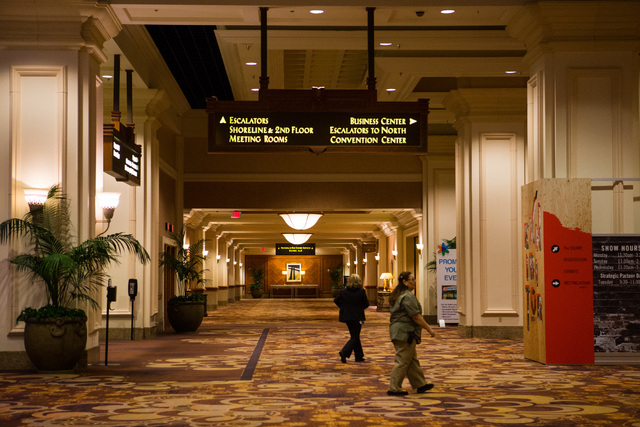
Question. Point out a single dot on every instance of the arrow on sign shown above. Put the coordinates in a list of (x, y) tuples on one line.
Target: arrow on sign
[(412, 121), (222, 120)]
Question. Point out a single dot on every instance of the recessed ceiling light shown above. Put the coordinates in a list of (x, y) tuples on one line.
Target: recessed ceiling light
[(107, 76), (316, 12), (391, 89), (447, 11), (510, 72), (385, 43), (251, 63), (255, 89)]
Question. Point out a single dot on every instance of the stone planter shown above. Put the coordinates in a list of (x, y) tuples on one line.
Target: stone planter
[(185, 316), (256, 293), (55, 344)]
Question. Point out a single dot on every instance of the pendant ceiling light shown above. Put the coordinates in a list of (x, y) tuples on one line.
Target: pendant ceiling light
[(301, 221), (296, 238)]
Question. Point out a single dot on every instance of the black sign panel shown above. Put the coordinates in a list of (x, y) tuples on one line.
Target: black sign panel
[(616, 293), (289, 249), (331, 129)]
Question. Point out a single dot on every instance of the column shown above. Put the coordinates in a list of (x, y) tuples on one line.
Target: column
[(50, 126), (439, 207), (583, 98), (489, 174)]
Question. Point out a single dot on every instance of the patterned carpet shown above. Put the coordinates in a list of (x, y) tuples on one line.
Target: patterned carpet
[(275, 362)]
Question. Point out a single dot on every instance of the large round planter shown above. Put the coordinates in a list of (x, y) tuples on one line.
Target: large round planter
[(55, 344), (185, 316), (256, 293)]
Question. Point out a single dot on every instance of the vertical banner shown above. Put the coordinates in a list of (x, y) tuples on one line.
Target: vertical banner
[(447, 284)]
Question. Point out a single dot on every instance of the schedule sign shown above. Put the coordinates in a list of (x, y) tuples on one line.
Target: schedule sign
[(332, 129)]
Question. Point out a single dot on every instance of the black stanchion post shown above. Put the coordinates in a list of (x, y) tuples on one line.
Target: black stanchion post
[(111, 296), (133, 292)]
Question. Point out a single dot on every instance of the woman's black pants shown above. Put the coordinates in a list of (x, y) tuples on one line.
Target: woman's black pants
[(353, 345)]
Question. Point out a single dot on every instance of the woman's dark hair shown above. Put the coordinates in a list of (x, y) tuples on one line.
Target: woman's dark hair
[(400, 287)]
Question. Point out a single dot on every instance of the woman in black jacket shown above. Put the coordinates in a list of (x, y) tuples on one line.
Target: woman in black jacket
[(352, 301)]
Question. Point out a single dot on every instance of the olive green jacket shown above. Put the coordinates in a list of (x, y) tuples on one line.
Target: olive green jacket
[(405, 307)]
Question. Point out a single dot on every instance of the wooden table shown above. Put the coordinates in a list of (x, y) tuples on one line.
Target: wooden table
[(293, 290)]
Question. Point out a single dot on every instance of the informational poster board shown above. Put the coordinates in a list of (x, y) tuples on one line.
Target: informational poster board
[(447, 284), (616, 297), (557, 270)]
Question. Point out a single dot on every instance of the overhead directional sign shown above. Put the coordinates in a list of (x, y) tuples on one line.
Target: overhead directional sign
[(289, 249), (318, 120), (122, 156), (337, 129)]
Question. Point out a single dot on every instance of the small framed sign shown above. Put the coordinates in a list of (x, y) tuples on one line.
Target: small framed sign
[(294, 272)]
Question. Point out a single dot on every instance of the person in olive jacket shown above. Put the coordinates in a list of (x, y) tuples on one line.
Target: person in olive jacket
[(352, 301)]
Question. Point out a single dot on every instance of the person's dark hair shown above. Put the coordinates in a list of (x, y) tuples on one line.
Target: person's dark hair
[(400, 287)]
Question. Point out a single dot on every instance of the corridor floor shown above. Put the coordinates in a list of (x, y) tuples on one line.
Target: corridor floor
[(275, 363)]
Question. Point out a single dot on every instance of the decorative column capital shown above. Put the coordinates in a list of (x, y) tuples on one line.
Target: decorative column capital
[(58, 25), (556, 26)]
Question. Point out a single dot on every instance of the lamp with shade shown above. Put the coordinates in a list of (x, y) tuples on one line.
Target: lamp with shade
[(386, 279)]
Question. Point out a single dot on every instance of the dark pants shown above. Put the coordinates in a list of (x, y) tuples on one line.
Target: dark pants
[(354, 342)]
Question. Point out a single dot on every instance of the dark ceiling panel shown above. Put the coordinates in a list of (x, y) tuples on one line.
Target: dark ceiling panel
[(192, 54), (446, 84)]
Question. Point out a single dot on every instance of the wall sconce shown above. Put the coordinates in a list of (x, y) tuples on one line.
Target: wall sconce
[(205, 253), (217, 258), (240, 264), (377, 257), (419, 248), (228, 259), (235, 262), (364, 260), (386, 278), (108, 202), (185, 246), (348, 264), (300, 221), (35, 198), (394, 253), (296, 238)]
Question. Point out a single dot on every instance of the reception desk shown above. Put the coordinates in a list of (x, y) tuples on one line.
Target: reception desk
[(293, 291)]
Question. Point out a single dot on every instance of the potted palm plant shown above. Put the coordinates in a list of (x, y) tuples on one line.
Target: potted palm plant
[(257, 287), (186, 309), (336, 280), (55, 335)]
